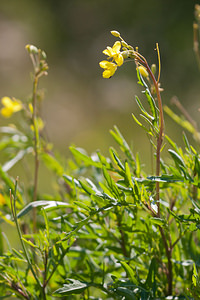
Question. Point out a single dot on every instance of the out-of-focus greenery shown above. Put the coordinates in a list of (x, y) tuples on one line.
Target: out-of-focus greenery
[(72, 32)]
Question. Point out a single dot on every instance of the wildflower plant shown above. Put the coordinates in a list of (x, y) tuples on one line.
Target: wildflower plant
[(109, 230)]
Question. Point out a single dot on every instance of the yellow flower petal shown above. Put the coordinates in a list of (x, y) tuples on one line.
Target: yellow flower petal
[(106, 52), (6, 101), (109, 67), (119, 59), (103, 64), (6, 112), (116, 47)]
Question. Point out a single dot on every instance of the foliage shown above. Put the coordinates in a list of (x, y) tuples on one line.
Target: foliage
[(108, 230)]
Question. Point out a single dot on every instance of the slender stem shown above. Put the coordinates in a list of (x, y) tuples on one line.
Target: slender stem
[(168, 250), (36, 147), (143, 61), (13, 208), (167, 244), (160, 136)]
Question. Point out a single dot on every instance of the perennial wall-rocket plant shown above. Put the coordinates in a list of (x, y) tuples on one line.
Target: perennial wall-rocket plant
[(109, 230)]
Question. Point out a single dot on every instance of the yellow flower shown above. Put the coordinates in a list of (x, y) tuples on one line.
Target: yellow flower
[(115, 53), (109, 68), (143, 71), (2, 200), (10, 106)]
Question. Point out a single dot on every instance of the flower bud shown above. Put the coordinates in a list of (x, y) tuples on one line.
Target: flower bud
[(32, 49), (44, 56), (124, 44), (125, 54), (115, 33), (143, 71), (153, 69)]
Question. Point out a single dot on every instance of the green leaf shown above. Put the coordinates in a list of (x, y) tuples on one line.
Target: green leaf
[(122, 142), (181, 121), (196, 206), (71, 288), (113, 187), (186, 142), (177, 158), (128, 294), (194, 275), (79, 154), (116, 159), (129, 271), (143, 109), (47, 205), (82, 205), (4, 177), (52, 163), (158, 221), (72, 181), (9, 164), (150, 281), (149, 97), (152, 104), (128, 175), (29, 243), (86, 188)]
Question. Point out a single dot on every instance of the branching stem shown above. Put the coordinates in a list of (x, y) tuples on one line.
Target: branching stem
[(167, 242), (143, 61)]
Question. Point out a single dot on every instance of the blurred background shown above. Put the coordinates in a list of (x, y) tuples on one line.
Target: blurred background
[(80, 106)]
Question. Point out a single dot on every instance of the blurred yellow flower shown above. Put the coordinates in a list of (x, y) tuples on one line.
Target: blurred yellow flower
[(2, 200), (39, 123), (10, 106), (109, 68), (30, 107), (115, 53)]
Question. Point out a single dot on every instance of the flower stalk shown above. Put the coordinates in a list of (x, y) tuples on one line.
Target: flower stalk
[(40, 67), (146, 72)]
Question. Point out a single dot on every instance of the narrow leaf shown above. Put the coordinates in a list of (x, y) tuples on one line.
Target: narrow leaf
[(129, 271), (71, 288)]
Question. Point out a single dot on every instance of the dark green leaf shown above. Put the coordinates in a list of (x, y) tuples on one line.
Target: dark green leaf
[(130, 272)]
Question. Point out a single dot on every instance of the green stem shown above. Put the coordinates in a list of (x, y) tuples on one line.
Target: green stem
[(36, 147), (139, 58), (13, 209), (168, 247), (159, 138)]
